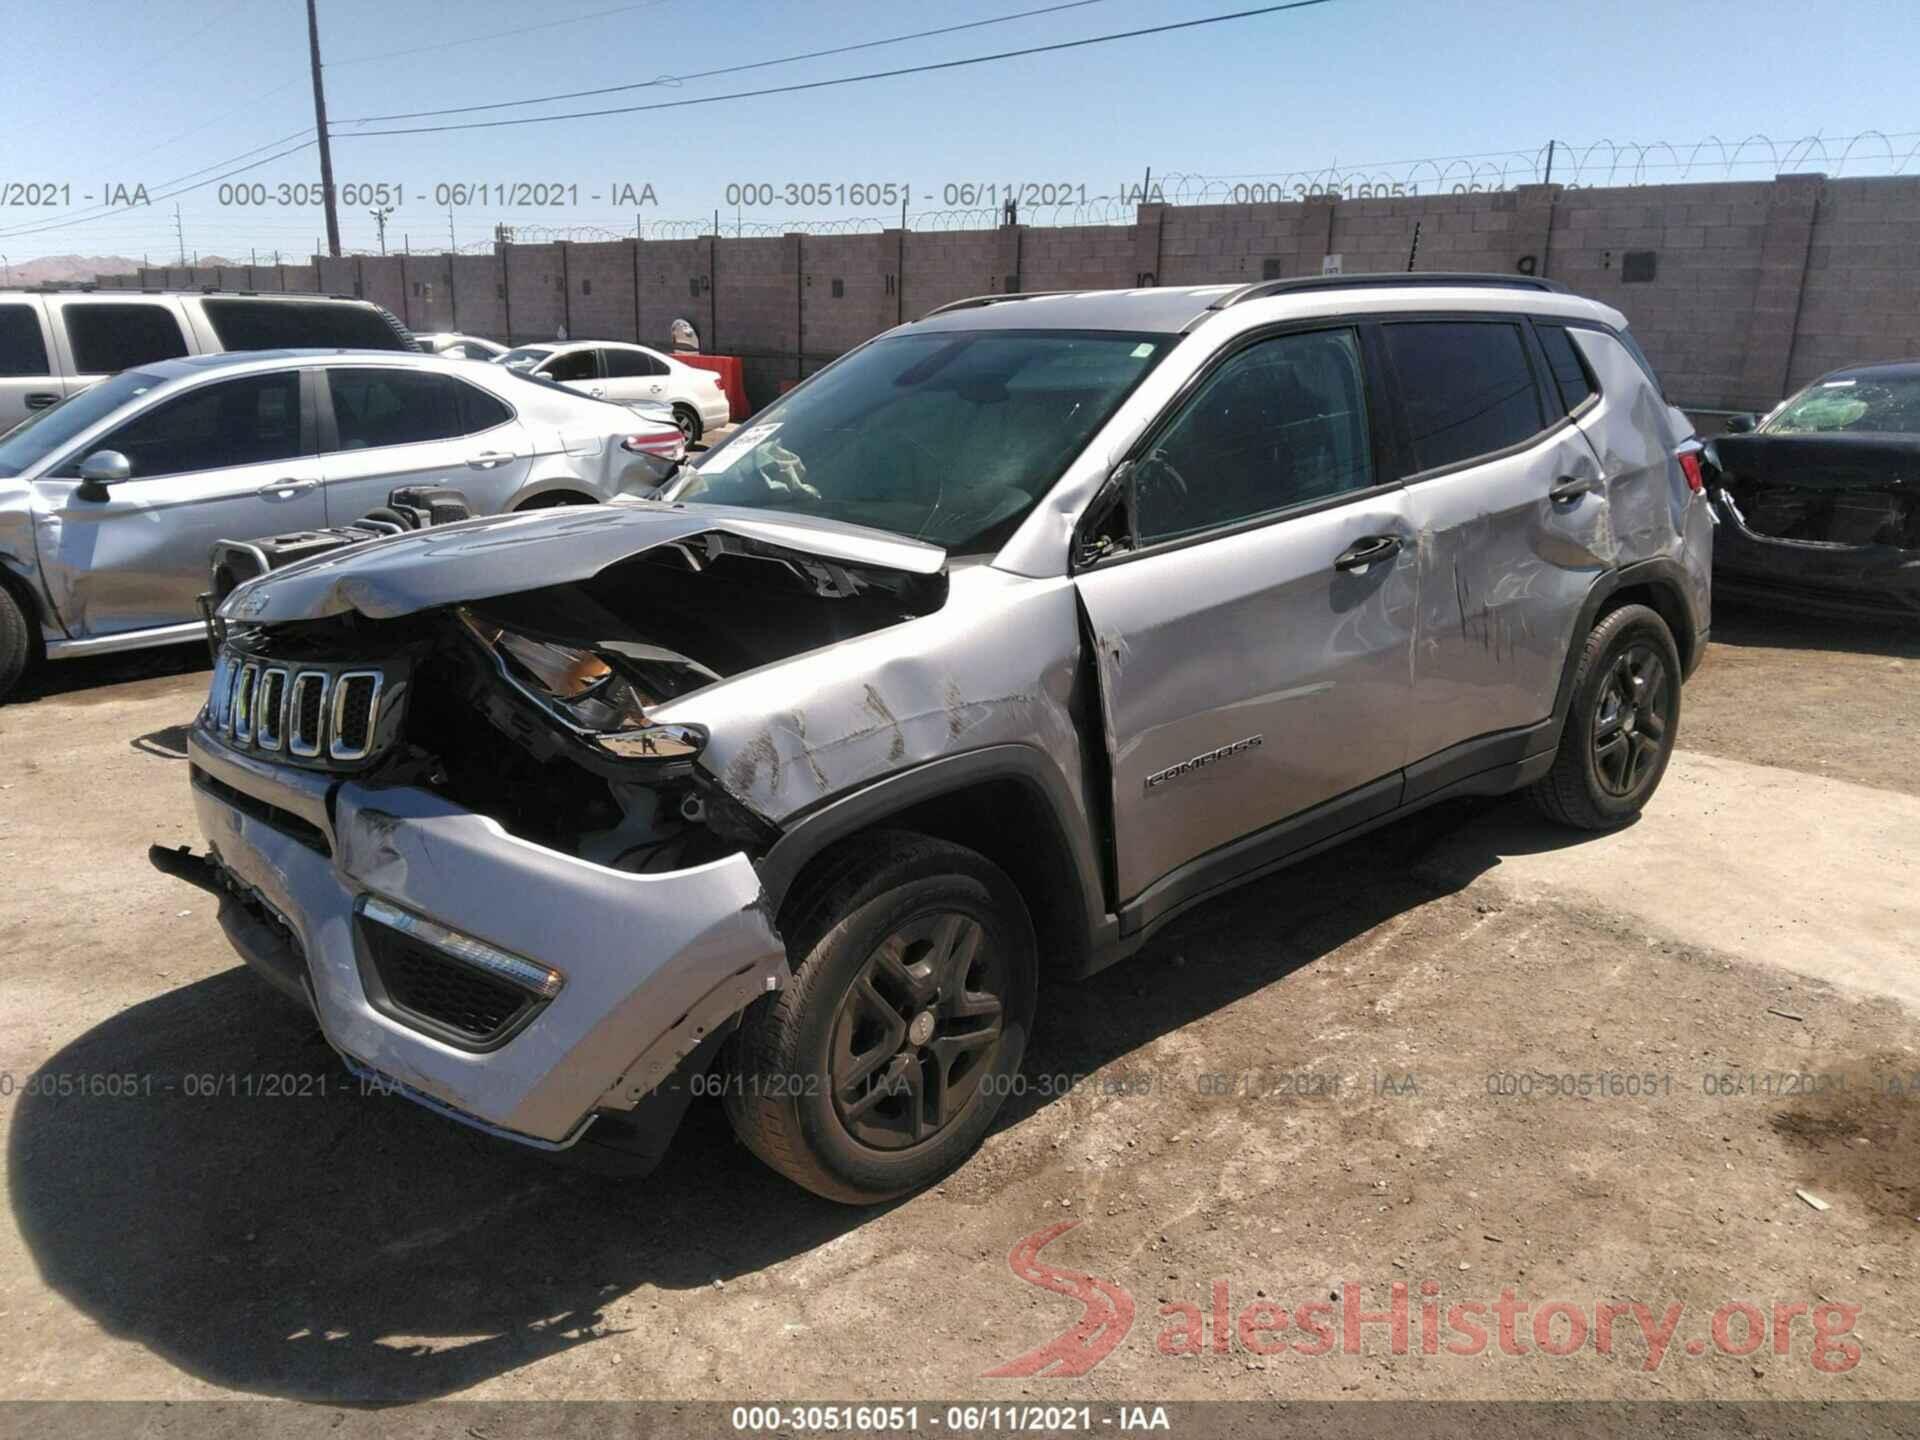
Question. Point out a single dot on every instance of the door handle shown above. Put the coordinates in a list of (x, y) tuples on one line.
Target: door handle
[(41, 399), (286, 489), (1571, 487), (487, 459), (1368, 550)]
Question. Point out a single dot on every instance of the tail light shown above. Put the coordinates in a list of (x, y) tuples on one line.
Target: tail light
[(1690, 467), (662, 444)]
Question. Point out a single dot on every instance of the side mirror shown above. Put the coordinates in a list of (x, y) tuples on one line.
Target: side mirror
[(1741, 424), (101, 469)]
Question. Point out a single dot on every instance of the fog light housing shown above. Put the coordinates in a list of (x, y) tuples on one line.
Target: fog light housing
[(538, 980)]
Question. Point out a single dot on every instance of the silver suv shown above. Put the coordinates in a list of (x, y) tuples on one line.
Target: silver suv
[(993, 647), (111, 500)]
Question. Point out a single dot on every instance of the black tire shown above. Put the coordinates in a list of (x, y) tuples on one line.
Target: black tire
[(16, 642), (1620, 726), (553, 499), (688, 419), (878, 937)]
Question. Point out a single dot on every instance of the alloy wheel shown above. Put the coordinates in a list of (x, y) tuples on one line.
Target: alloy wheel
[(917, 1031), (1631, 719)]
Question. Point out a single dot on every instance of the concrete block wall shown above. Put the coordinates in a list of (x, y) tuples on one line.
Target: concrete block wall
[(676, 283), (1754, 287), (1861, 295), (947, 265), (600, 289), (478, 305)]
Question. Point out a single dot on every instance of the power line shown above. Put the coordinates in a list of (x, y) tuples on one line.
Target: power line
[(154, 199), (100, 212), (494, 35), (851, 79), (728, 69)]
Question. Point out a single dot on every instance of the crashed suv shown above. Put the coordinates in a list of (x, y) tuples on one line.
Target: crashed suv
[(997, 644)]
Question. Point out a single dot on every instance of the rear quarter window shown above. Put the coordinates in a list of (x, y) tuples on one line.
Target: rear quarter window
[(301, 325), (23, 351), (108, 338)]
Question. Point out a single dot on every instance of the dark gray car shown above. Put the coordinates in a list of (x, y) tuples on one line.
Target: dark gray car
[(997, 644)]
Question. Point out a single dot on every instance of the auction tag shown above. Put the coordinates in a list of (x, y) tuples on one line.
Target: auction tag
[(737, 445)]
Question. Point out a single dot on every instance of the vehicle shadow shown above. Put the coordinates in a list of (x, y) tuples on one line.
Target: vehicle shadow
[(1748, 623), (97, 672), (199, 1174)]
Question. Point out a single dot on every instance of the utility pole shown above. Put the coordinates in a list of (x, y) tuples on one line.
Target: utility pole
[(452, 245), (320, 129), (380, 219), (179, 234)]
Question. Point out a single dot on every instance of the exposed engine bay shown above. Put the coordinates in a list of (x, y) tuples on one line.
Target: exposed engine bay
[(535, 708)]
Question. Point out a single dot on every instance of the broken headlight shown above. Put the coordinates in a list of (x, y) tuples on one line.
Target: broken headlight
[(600, 694)]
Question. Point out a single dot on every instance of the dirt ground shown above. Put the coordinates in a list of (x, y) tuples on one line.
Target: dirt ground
[(1452, 1056)]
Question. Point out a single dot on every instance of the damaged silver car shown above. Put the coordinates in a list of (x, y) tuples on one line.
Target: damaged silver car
[(990, 649)]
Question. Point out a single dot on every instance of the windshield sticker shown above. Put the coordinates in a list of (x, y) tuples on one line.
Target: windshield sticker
[(1142, 351), (720, 460)]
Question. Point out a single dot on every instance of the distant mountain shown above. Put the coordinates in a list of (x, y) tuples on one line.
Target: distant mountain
[(69, 269)]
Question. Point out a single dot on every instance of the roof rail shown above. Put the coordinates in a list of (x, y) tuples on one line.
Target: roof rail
[(973, 302), (1259, 290)]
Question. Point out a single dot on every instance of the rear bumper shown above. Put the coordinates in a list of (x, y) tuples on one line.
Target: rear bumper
[(1850, 579), (651, 965)]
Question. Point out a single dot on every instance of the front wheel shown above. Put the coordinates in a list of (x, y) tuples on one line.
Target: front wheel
[(16, 642), (882, 1065), (1621, 725)]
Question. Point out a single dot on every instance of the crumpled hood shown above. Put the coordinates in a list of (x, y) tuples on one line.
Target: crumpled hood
[(508, 554)]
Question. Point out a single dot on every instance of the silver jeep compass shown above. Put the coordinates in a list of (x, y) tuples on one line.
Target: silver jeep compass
[(991, 648)]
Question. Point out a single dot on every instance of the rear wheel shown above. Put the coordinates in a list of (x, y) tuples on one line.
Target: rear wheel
[(16, 642), (882, 1065), (688, 419), (1621, 725)]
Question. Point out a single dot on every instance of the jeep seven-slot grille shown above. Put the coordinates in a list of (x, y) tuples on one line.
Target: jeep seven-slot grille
[(308, 713)]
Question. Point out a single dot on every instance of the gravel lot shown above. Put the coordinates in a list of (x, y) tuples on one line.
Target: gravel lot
[(1763, 919)]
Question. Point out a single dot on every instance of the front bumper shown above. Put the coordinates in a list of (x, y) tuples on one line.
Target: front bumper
[(653, 965), (1881, 580)]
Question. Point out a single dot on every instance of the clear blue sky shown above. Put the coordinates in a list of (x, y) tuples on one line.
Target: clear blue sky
[(124, 90)]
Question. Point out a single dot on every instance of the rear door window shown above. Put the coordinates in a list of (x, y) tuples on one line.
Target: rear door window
[(243, 324), (108, 338), (23, 349), (621, 363), (250, 421), (575, 365), (374, 408), (1467, 388)]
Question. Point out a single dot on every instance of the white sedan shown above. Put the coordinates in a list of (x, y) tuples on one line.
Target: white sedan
[(459, 347), (629, 374)]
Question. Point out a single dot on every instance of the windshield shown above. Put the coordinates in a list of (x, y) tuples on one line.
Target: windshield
[(949, 437), (44, 432), (1886, 405), (525, 358)]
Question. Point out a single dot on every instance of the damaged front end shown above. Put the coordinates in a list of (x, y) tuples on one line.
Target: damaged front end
[(456, 826), (1827, 522)]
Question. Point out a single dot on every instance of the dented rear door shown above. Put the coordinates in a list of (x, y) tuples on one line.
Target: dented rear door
[(1511, 510)]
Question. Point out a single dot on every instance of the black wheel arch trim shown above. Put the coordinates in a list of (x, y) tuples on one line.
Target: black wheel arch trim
[(1661, 572), (875, 803)]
